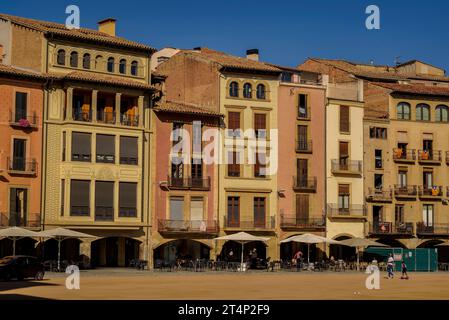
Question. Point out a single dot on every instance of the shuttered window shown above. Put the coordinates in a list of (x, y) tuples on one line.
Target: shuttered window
[(196, 208), (81, 146), (105, 148), (128, 150), (104, 200), (259, 166), (302, 207), (344, 119), (234, 124), (260, 125), (233, 212), (177, 208), (302, 172), (21, 106), (233, 166), (128, 199), (343, 196), (79, 198), (259, 212)]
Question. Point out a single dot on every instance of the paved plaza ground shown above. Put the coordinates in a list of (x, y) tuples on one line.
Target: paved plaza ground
[(131, 284)]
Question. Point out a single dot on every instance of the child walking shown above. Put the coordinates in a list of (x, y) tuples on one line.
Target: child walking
[(404, 271)]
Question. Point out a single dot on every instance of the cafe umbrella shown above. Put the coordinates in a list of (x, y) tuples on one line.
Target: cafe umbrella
[(360, 243), (61, 234), (242, 238), (16, 233)]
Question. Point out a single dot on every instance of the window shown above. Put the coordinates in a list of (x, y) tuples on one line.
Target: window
[(344, 119), (233, 212), (442, 113), (302, 208), (81, 146), (18, 206), (378, 181), (21, 106), (247, 91), (64, 143), (260, 125), (403, 111), (234, 124), (261, 92), (378, 159), (286, 77), (122, 66), (402, 178), (259, 166), (399, 214), (128, 150), (303, 143), (177, 208), (79, 198), (259, 212), (422, 112), (302, 106), (428, 179), (343, 197), (111, 64), (104, 201), (127, 199), (302, 171), (233, 165), (177, 132), (19, 161), (99, 63), (378, 133), (427, 215), (344, 155), (134, 68), (74, 59), (234, 89), (61, 57), (105, 148), (196, 209), (62, 197), (86, 61)]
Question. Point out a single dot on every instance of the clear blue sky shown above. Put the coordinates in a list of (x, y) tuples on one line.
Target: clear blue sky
[(285, 31)]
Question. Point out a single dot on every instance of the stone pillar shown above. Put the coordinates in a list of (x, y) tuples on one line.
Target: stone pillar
[(85, 253), (121, 252), (118, 100), (93, 105), (140, 103), (69, 106)]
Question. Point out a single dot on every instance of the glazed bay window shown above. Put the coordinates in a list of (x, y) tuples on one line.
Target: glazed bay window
[(81, 146), (128, 150), (104, 201), (128, 199), (105, 148), (80, 198)]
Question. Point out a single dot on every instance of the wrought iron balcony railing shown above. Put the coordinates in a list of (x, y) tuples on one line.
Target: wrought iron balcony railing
[(346, 167), (106, 117), (263, 224), (22, 166), (401, 155), (304, 146), (350, 211), (129, 120), (189, 183), (426, 156), (430, 192), (14, 220), (306, 184), (23, 120), (293, 222), (405, 191), (433, 229), (379, 194), (188, 226), (390, 228)]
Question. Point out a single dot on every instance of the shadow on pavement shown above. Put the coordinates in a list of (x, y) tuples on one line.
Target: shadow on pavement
[(4, 297), (12, 285)]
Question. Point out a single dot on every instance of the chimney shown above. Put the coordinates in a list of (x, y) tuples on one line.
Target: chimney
[(252, 54), (107, 26)]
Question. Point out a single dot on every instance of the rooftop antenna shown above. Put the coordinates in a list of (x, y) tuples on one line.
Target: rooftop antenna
[(397, 60)]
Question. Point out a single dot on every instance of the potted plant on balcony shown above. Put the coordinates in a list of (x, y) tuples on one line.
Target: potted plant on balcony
[(24, 123)]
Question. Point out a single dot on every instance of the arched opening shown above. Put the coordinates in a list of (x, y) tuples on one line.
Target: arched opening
[(24, 246), (114, 252), (443, 251), (442, 113), (122, 66), (184, 249), (236, 249), (423, 112), (74, 59), (403, 111), (234, 89), (86, 61), (261, 92), (247, 91), (342, 252), (111, 64), (70, 250), (134, 68), (393, 243), (61, 57), (99, 63), (289, 249)]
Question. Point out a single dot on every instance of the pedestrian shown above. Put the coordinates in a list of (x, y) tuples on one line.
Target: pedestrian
[(390, 265), (404, 270), (231, 256), (298, 259)]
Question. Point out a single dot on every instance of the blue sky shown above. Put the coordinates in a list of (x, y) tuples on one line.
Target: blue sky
[(285, 31)]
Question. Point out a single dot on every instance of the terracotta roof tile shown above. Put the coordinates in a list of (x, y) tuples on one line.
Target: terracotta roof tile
[(188, 108), (417, 89), (60, 30), (8, 70), (233, 62)]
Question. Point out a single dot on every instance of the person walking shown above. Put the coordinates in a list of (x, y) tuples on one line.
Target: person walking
[(390, 266), (298, 259), (404, 270)]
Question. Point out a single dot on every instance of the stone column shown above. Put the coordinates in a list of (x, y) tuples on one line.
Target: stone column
[(93, 105), (118, 98), (140, 108), (69, 104)]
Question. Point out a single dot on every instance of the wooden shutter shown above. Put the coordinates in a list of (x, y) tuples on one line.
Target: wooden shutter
[(259, 211), (302, 207), (344, 149), (302, 171), (344, 119), (343, 189), (233, 211), (177, 208), (234, 120)]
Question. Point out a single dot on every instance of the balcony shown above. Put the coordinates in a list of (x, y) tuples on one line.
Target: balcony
[(346, 167), (441, 229), (405, 192), (84, 116), (294, 223), (188, 226), (354, 211), (129, 120), (189, 183), (104, 213), (404, 156), (22, 166), (429, 157), (8, 220), (379, 195), (435, 192), (447, 158), (304, 146), (107, 117), (22, 120), (304, 184), (389, 228), (251, 225)]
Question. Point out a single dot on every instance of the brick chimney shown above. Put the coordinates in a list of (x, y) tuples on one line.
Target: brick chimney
[(252, 54), (107, 26)]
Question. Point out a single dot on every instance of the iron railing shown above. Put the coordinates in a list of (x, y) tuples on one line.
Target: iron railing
[(293, 222), (434, 229), (380, 194), (304, 146), (22, 166), (189, 183), (401, 155), (129, 120), (13, 220), (263, 224), (304, 183), (346, 166), (390, 228), (22, 119), (434, 191), (405, 191), (193, 226), (429, 156), (79, 115), (106, 117), (350, 211)]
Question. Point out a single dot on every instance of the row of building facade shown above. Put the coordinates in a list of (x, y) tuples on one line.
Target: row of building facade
[(90, 124)]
